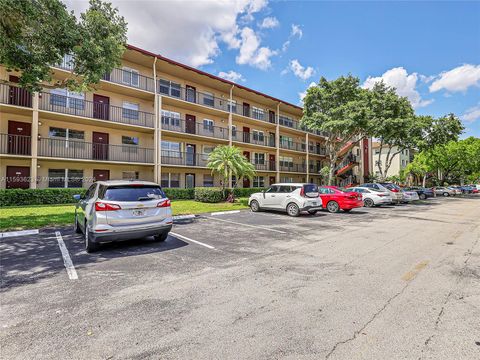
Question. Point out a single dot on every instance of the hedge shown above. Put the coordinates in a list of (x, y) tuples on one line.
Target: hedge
[(209, 194), (246, 192), (179, 194), (18, 197)]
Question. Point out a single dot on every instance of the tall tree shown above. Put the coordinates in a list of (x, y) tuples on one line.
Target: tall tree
[(36, 34), (419, 168), (228, 160), (338, 107)]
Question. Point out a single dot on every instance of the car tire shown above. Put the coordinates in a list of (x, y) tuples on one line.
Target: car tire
[(293, 210), (76, 227), (89, 245), (368, 202), (161, 237), (347, 210), (312, 212), (446, 194), (333, 207), (254, 206), (422, 196)]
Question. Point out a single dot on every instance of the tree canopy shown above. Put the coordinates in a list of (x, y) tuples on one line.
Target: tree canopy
[(36, 34)]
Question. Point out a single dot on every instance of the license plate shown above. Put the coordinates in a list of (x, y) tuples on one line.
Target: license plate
[(138, 212)]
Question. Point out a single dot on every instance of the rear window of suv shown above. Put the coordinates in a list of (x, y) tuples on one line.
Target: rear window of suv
[(309, 188), (131, 193)]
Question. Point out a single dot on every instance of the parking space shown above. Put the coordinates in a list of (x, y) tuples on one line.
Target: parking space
[(247, 276)]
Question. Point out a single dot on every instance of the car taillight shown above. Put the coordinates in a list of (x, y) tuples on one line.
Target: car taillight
[(164, 203), (101, 206), (302, 192), (394, 190)]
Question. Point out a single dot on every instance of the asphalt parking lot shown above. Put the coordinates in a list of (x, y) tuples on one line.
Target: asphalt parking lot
[(397, 282)]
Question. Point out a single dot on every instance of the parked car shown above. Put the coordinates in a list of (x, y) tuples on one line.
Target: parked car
[(372, 197), (335, 199), (409, 196), (121, 210), (466, 189), (290, 197), (423, 193), (444, 191), (393, 189), (455, 190)]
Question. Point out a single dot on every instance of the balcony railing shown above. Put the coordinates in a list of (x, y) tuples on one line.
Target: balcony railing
[(248, 111), (290, 145), (95, 110), (15, 144), (131, 79), (194, 96), (314, 169), (74, 149), (250, 138), (290, 167), (184, 158), (192, 127), (266, 166), (15, 95), (350, 180), (317, 150), (349, 159)]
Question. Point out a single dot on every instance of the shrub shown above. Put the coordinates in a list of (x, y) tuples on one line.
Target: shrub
[(246, 192), (209, 194), (179, 194), (18, 197)]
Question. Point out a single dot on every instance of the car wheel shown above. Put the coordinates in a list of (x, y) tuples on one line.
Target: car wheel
[(422, 196), (254, 206), (293, 210), (446, 194), (333, 207), (368, 202), (161, 237), (76, 227), (312, 212), (89, 245), (347, 210)]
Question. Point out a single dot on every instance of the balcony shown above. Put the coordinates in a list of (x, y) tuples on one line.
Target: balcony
[(184, 159), (93, 110), (314, 169), (291, 145), (193, 96), (290, 167), (316, 150), (255, 139), (15, 95), (73, 149), (195, 128), (266, 166), (15, 144), (346, 164), (247, 111)]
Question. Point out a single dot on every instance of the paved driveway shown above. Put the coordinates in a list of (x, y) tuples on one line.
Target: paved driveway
[(397, 282)]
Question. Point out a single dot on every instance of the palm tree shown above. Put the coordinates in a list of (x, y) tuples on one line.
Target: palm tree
[(228, 160)]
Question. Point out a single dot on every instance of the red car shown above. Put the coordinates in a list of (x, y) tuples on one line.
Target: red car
[(334, 199)]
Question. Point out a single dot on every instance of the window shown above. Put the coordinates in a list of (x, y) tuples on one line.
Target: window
[(258, 136), (67, 99), (286, 121), (259, 158), (258, 181), (208, 125), (234, 131), (208, 99), (75, 178), (286, 180), (130, 110), (56, 178), (207, 180), (286, 141), (206, 152), (377, 151), (170, 118), (62, 178), (258, 113), (129, 175), (286, 161), (132, 193), (130, 76), (170, 88), (164, 182), (174, 180), (171, 149), (67, 137), (131, 144), (232, 106)]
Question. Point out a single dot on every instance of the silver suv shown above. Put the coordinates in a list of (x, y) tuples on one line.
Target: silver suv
[(122, 210)]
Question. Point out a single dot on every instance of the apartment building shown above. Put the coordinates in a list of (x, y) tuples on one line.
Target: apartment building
[(399, 162), (151, 119)]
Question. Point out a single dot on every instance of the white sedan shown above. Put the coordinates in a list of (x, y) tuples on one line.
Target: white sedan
[(373, 197), (409, 196)]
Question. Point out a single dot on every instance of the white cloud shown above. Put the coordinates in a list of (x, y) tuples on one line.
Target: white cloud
[(304, 93), (296, 31), (269, 23), (472, 114), (231, 76), (457, 79), (251, 53), (285, 45), (404, 83), (188, 31), (299, 70)]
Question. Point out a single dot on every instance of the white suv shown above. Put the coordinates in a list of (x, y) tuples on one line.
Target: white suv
[(290, 197)]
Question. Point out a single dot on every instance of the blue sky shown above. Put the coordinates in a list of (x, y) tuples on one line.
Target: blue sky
[(429, 50)]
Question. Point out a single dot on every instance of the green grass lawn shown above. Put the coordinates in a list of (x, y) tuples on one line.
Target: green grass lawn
[(34, 217)]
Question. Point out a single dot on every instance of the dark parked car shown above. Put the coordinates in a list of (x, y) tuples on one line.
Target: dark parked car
[(423, 193)]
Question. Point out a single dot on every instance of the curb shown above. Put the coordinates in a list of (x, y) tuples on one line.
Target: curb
[(225, 212), (18, 233)]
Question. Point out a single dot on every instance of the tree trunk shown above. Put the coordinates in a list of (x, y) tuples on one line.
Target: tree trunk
[(424, 181), (331, 172)]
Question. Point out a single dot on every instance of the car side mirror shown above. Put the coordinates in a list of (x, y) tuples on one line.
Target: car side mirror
[(77, 197)]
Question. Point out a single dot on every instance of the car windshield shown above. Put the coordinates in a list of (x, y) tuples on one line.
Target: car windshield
[(391, 186), (133, 193)]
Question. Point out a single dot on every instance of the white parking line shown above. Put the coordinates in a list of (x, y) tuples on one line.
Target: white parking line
[(181, 237), (67, 261), (248, 225), (18, 233), (225, 212)]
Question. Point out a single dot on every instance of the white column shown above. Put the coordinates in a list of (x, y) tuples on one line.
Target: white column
[(230, 131), (277, 142), (34, 142), (308, 157)]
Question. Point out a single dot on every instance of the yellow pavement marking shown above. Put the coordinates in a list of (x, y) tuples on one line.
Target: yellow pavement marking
[(409, 275)]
